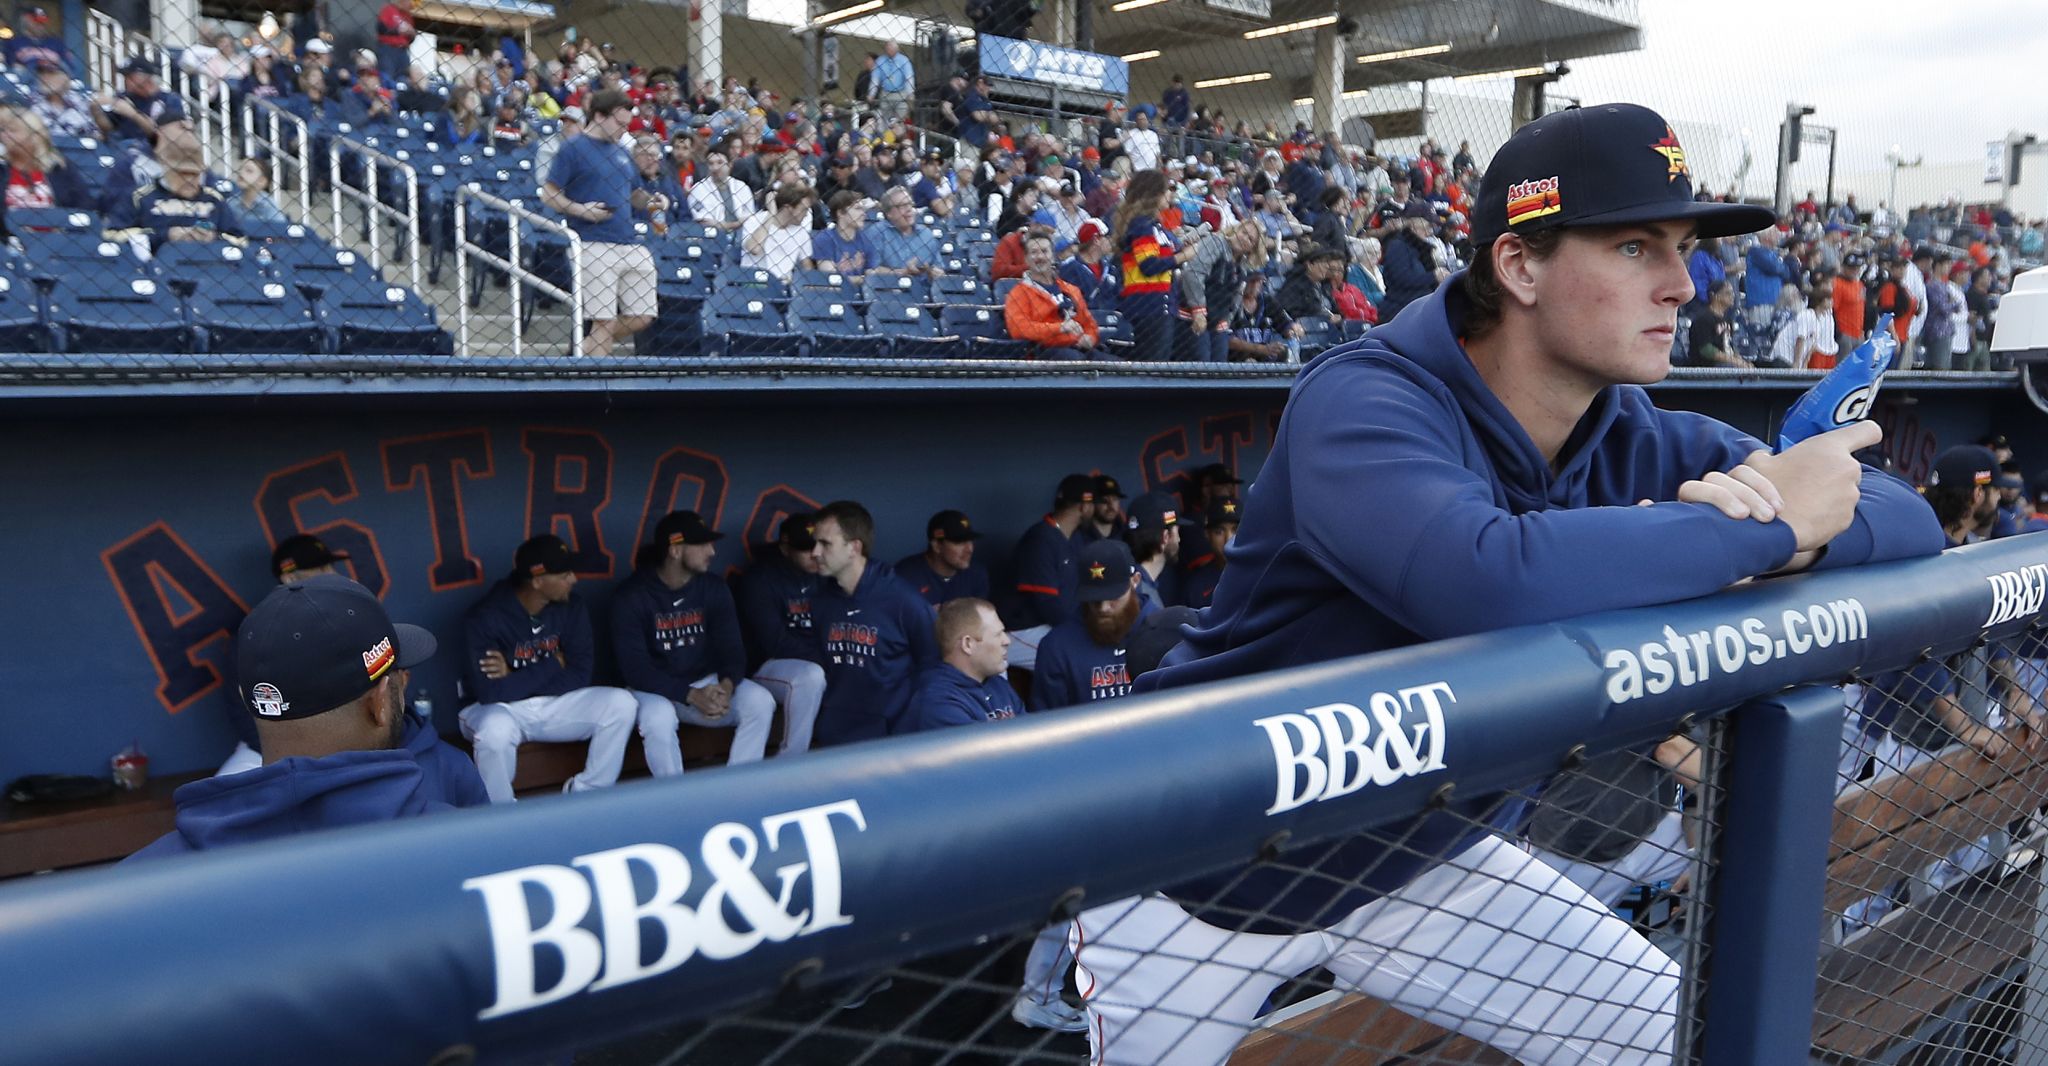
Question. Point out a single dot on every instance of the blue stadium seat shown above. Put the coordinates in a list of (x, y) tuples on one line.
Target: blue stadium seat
[(702, 232), (1354, 328), (959, 290), (683, 278), (24, 321), (1114, 331), (1003, 287), (756, 280), (1316, 335), (981, 251), (381, 319), (913, 330), (834, 326), (745, 322), (911, 285), (46, 246), (278, 231), (681, 287), (118, 311), (255, 315), (844, 286), (984, 331), (55, 219), (215, 261)]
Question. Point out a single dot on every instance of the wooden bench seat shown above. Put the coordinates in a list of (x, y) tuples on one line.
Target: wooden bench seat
[(1879, 988), (58, 836), (1359, 1029)]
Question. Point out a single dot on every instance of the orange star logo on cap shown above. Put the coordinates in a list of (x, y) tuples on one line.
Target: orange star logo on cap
[(1097, 571), (1229, 508), (1674, 154)]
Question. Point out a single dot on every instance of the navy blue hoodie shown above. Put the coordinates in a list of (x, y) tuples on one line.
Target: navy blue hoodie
[(917, 572), (1466, 529), (550, 653), (775, 610), (668, 639), (451, 776), (876, 641), (946, 697), (298, 795)]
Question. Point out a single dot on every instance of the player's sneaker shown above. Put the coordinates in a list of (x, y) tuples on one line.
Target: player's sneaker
[(1057, 1015)]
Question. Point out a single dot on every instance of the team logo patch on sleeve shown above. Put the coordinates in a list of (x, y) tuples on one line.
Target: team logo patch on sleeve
[(268, 701), (379, 658), (1534, 199)]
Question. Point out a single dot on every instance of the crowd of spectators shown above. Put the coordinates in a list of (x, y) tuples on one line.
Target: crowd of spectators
[(1209, 238)]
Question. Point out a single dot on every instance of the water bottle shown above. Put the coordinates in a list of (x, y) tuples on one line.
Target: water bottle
[(423, 705), (658, 222)]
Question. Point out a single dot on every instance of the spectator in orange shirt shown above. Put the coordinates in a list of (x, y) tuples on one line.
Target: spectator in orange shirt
[(1011, 260), (1848, 293), (1049, 312)]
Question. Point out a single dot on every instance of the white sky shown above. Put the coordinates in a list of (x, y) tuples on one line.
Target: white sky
[(1937, 79)]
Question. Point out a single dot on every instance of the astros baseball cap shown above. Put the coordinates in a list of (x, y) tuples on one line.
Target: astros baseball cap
[(1964, 464), (545, 554), (951, 526), (1217, 474), (319, 644), (1154, 512), (1106, 569), (684, 527), (1225, 511), (1107, 486), (302, 551), (1604, 165), (1075, 488), (796, 532)]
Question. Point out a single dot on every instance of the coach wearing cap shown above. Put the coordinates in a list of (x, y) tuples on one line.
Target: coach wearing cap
[(1082, 659), (1153, 534), (323, 670), (1502, 427), (1043, 564), (1105, 517), (297, 558), (946, 569)]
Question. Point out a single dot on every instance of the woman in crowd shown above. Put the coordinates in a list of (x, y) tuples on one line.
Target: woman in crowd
[(252, 179), (465, 121), (1146, 252), (1364, 270), (1211, 286), (1018, 211), (262, 81), (36, 175)]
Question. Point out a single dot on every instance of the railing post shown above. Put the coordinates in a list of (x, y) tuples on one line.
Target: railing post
[(1772, 873)]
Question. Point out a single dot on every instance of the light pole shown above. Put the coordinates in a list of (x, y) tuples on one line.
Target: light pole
[(1897, 159)]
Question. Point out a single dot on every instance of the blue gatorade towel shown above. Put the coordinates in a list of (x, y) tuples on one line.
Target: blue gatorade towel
[(1846, 393)]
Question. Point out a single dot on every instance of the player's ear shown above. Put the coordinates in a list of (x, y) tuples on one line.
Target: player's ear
[(1515, 270)]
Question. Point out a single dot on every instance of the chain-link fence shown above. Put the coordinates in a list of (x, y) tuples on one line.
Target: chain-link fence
[(794, 181)]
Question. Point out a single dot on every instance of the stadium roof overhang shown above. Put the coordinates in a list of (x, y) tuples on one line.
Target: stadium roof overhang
[(1204, 39)]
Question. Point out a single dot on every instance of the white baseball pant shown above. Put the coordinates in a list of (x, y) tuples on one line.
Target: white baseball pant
[(749, 716), (243, 758), (1045, 968), (1492, 944), (1661, 856), (603, 716), (798, 686), (1023, 652)]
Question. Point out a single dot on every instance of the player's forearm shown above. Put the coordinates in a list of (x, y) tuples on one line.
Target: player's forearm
[(1892, 522)]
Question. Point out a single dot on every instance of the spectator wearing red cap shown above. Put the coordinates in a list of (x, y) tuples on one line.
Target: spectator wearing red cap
[(1088, 270)]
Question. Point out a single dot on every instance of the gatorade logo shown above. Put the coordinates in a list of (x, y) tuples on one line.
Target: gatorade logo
[(1856, 406), (1336, 749), (603, 890), (2017, 593)]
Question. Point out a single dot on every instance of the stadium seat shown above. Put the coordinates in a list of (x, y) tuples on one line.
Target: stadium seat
[(910, 285), (959, 290), (1353, 329), (117, 311), (983, 330), (255, 315), (705, 257), (844, 286), (1316, 335), (833, 326), (1003, 287), (46, 246), (913, 330), (1114, 332), (981, 251), (745, 322), (54, 219), (755, 280), (381, 320), (278, 231), (24, 323)]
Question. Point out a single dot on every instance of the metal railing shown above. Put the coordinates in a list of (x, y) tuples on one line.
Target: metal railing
[(519, 278), (369, 198), (264, 125)]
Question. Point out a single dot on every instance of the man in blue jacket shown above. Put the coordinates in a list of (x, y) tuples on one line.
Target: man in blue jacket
[(1042, 565), (1082, 659), (676, 634), (783, 648), (323, 671), (946, 569), (530, 655), (1476, 464), (1763, 278), (877, 630)]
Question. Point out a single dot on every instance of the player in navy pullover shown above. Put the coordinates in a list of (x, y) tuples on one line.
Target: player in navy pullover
[(1043, 566), (1082, 659), (1218, 526), (946, 569), (677, 638), (1105, 517), (530, 655), (784, 648), (877, 631), (1476, 464), (967, 685)]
